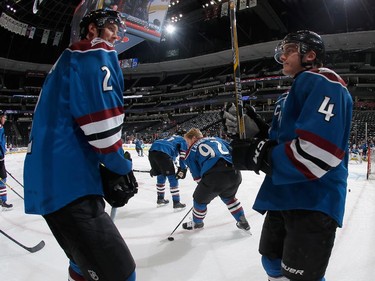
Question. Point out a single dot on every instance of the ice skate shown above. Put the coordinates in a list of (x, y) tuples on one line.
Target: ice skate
[(190, 225), (6, 206), (162, 202), (178, 206), (243, 224)]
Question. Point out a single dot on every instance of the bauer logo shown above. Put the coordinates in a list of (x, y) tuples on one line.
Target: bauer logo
[(93, 275), (292, 270)]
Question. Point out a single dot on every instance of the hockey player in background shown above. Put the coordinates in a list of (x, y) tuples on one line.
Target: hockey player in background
[(139, 146), (162, 155), (3, 173), (75, 154), (305, 159), (210, 164)]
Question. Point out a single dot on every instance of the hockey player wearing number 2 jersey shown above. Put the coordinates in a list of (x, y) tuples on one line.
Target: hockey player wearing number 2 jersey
[(306, 164), (76, 133)]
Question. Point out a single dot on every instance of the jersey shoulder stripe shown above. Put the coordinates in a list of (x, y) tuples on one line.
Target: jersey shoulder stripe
[(328, 74), (95, 44)]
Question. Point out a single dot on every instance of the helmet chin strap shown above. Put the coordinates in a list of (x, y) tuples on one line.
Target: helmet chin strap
[(306, 65)]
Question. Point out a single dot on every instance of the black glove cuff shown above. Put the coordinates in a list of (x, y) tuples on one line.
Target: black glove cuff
[(118, 189), (262, 125), (249, 155), (240, 154)]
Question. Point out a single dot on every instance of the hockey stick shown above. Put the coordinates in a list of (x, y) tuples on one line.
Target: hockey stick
[(14, 179), (113, 213), (236, 70), (1, 180), (34, 249), (170, 238), (141, 171)]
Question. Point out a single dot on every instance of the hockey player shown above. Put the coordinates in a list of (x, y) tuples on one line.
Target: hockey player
[(162, 155), (356, 154), (3, 173), (210, 164), (75, 154), (139, 146), (305, 159)]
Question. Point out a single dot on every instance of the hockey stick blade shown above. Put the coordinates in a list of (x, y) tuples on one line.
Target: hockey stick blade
[(140, 171), (34, 249)]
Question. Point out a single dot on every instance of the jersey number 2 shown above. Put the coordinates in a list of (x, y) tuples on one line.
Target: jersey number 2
[(106, 87)]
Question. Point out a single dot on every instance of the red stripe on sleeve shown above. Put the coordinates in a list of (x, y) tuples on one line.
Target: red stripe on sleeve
[(99, 116), (322, 143), (299, 166), (110, 149)]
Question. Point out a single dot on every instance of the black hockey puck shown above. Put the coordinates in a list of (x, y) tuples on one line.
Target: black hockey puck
[(170, 238)]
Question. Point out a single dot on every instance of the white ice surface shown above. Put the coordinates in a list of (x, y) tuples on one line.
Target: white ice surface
[(219, 252)]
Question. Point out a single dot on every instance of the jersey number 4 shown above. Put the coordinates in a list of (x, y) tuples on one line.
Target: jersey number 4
[(326, 109)]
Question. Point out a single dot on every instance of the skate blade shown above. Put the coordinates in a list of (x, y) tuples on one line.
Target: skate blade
[(177, 210), (247, 232), (161, 205)]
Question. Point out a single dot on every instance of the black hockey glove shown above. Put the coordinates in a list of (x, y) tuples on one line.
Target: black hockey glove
[(153, 173), (127, 155), (132, 178), (118, 189), (181, 173), (255, 126), (254, 155)]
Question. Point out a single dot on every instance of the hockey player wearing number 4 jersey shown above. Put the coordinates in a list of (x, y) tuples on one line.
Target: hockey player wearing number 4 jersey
[(305, 159), (210, 163)]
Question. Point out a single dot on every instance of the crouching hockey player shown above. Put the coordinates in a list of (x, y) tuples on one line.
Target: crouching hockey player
[(162, 155), (210, 164)]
